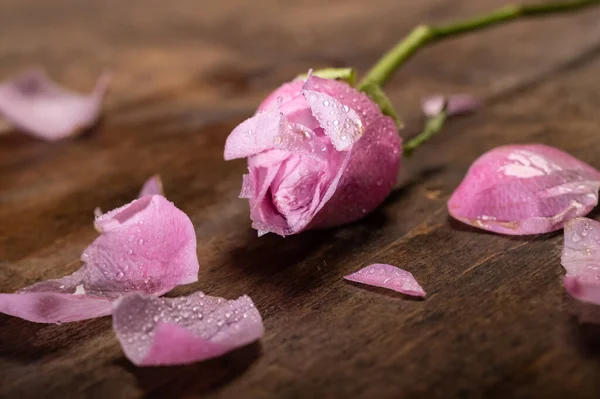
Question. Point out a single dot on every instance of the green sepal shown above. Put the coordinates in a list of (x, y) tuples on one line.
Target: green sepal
[(347, 75)]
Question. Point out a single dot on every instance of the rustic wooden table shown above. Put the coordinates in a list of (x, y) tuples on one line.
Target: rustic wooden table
[(496, 323)]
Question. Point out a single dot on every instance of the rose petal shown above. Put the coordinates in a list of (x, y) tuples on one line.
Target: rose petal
[(295, 137), (388, 276), (525, 189), (456, 104), (166, 331), (146, 246), (581, 259), (253, 136), (152, 186), (340, 122), (41, 108), (365, 176)]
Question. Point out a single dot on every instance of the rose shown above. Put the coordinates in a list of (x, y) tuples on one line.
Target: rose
[(320, 154)]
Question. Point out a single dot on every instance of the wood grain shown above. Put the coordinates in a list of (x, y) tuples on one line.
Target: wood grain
[(496, 323)]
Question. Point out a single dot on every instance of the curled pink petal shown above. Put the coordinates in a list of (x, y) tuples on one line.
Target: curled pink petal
[(152, 186), (525, 189), (253, 136), (167, 331), (388, 276), (581, 259), (41, 108), (146, 246), (339, 122), (456, 104)]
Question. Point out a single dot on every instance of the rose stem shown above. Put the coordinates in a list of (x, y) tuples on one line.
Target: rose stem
[(424, 35)]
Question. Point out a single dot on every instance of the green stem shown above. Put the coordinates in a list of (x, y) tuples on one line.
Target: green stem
[(432, 127), (424, 35)]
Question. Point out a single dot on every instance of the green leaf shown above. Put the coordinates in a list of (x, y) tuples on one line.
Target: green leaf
[(375, 92), (347, 75)]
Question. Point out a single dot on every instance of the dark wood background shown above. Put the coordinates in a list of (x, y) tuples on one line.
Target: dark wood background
[(496, 322)]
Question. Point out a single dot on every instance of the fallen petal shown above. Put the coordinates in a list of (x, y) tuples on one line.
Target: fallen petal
[(153, 186), (36, 105), (146, 246), (167, 331), (525, 189), (388, 276), (581, 259), (456, 104)]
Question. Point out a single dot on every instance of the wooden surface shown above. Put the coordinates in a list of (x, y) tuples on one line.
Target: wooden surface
[(496, 322)]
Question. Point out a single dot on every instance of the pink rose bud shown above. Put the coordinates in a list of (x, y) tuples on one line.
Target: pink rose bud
[(320, 154)]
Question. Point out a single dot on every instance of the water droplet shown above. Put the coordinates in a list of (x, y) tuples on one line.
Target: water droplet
[(336, 122), (344, 137), (346, 109), (141, 241), (130, 251), (576, 238), (120, 275), (326, 103), (59, 322)]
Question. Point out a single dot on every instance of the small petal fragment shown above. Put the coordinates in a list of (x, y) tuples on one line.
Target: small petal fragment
[(146, 246), (581, 259), (456, 104), (41, 108), (153, 186), (341, 123), (525, 189), (388, 276), (167, 331)]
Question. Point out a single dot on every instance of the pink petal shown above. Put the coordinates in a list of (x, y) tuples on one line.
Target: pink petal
[(525, 189), (457, 104), (298, 138), (153, 186), (388, 276), (340, 122), (364, 178), (247, 185), (146, 246), (166, 331), (581, 259), (582, 290), (41, 108), (253, 136)]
